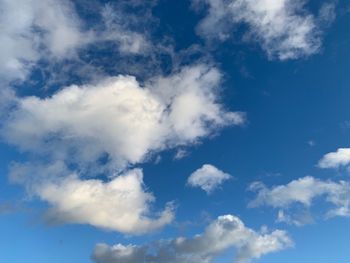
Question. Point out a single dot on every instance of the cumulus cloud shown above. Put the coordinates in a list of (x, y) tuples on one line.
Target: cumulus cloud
[(120, 204), (304, 192), (284, 29), (226, 232), (338, 159), (208, 177), (118, 121)]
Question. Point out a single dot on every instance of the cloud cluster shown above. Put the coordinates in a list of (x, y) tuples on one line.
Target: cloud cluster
[(284, 29), (121, 204), (208, 178), (99, 129), (303, 191), (226, 232), (104, 129), (338, 159)]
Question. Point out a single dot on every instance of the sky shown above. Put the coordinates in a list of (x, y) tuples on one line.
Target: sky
[(194, 131)]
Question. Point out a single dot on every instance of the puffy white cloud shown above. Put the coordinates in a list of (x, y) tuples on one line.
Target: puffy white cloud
[(208, 177), (303, 191), (120, 204), (284, 28), (226, 232), (338, 159), (120, 121)]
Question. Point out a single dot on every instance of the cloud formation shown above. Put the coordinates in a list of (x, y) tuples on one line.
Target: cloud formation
[(284, 29), (120, 121), (120, 204), (208, 178), (226, 232), (303, 191), (338, 159), (105, 129)]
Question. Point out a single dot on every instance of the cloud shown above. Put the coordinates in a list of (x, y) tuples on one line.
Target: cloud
[(284, 29), (304, 192), (116, 30), (118, 122), (104, 130), (338, 159), (33, 29), (51, 31), (327, 13), (208, 177), (120, 204), (226, 232)]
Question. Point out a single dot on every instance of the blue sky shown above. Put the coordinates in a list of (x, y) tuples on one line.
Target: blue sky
[(205, 131)]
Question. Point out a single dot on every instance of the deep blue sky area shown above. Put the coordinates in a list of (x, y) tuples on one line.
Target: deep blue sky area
[(295, 123)]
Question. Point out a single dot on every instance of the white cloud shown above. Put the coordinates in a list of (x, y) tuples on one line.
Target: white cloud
[(208, 177), (226, 232), (303, 191), (284, 28), (120, 120), (105, 129), (338, 159), (33, 29), (120, 204), (51, 30)]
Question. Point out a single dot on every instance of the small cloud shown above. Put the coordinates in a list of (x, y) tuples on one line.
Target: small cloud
[(327, 13), (180, 154), (208, 178), (338, 159)]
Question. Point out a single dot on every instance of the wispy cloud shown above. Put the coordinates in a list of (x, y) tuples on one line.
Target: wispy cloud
[(303, 191), (284, 29)]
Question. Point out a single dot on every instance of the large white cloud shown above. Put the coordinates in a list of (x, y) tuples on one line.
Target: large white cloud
[(338, 159), (208, 177), (303, 191), (119, 119), (120, 204), (284, 28), (226, 232)]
